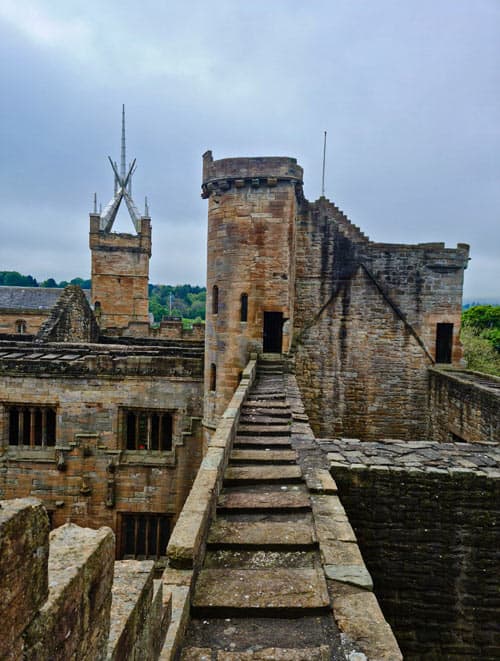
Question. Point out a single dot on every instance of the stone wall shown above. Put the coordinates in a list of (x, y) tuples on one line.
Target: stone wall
[(70, 320), (365, 325), (64, 597), (427, 519), (464, 406), (89, 477), (55, 604)]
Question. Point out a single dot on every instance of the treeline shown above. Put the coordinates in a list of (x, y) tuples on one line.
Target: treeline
[(186, 301), (15, 279), (481, 338)]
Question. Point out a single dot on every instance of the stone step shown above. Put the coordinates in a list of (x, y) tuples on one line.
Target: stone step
[(263, 501), (260, 441), (250, 403), (321, 653), (256, 397), (263, 410), (297, 532), (264, 456), (261, 592), (266, 474), (261, 419), (264, 430)]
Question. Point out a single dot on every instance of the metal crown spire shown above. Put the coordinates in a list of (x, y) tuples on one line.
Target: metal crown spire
[(123, 189), (123, 158)]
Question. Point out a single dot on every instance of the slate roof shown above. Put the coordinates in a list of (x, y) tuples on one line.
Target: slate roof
[(31, 298)]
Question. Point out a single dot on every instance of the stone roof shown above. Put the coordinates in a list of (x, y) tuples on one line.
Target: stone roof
[(31, 298)]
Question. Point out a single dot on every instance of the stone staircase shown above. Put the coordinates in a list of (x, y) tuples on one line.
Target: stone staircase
[(261, 593)]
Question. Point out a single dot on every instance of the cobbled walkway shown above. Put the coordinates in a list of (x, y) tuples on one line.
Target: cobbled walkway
[(262, 594)]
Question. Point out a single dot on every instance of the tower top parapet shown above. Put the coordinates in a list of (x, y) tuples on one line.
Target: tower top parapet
[(254, 171)]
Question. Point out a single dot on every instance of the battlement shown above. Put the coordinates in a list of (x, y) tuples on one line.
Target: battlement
[(254, 172), (64, 597)]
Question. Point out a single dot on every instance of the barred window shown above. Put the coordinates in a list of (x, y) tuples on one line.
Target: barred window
[(32, 426), (148, 430), (144, 536)]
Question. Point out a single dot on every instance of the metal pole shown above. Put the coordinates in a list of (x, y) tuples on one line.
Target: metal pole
[(323, 177)]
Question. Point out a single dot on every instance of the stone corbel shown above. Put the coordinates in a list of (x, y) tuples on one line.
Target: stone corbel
[(60, 460), (111, 485)]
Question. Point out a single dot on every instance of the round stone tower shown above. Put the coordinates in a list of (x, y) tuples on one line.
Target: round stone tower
[(252, 205)]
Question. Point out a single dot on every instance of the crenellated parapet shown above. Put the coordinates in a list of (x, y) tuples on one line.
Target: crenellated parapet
[(269, 171)]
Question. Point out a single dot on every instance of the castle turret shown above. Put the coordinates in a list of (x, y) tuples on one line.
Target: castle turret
[(250, 280), (120, 262)]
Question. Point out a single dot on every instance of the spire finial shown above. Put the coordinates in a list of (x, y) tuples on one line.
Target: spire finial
[(95, 203), (323, 177), (146, 207), (123, 172)]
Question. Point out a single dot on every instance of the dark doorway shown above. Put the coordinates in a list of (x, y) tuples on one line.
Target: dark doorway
[(444, 342), (273, 332)]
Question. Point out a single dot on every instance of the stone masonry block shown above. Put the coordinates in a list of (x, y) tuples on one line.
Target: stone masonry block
[(74, 621), (24, 552)]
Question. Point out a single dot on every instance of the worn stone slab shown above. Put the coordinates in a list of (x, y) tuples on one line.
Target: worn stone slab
[(339, 552), (267, 441), (279, 500), (261, 419), (251, 403), (270, 474), (320, 481), (322, 653), (263, 430), (273, 590), (178, 623), (261, 533), (273, 411), (359, 617), (265, 456), (357, 575), (131, 606)]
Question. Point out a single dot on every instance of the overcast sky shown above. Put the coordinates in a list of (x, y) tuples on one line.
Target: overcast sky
[(408, 90)]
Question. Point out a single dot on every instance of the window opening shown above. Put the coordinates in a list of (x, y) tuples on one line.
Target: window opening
[(215, 299), (148, 430), (213, 376), (32, 426), (21, 326), (144, 536), (244, 307)]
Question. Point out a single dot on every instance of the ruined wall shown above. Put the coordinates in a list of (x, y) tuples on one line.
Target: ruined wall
[(430, 538), (120, 274), (463, 406), (252, 206), (363, 335), (89, 477), (70, 320)]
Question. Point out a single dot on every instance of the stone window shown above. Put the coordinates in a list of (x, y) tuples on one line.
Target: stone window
[(144, 536), (244, 307), (32, 426), (215, 299), (21, 326), (213, 377), (147, 430)]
